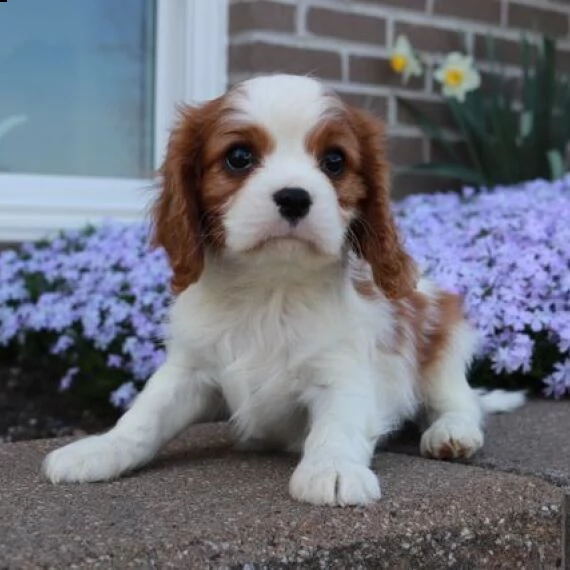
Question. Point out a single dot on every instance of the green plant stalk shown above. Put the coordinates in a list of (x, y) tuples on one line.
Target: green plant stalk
[(507, 145)]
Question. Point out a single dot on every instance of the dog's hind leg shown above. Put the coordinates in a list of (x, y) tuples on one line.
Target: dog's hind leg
[(453, 409)]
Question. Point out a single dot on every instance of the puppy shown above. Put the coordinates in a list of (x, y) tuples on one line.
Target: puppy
[(298, 315)]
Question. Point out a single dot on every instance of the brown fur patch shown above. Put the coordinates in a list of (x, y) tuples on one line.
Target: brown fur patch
[(366, 288), (197, 186), (448, 313), (430, 322), (336, 133), (374, 235), (218, 183), (363, 188)]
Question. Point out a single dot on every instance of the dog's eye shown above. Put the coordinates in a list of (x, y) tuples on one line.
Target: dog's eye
[(332, 163), (239, 158)]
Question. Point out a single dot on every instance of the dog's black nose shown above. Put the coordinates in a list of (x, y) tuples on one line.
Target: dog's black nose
[(293, 203)]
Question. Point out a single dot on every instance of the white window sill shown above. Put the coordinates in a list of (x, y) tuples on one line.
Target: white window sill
[(34, 207)]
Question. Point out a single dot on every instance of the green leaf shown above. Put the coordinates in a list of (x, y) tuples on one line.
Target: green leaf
[(507, 143), (556, 163), (473, 132), (430, 128), (526, 124)]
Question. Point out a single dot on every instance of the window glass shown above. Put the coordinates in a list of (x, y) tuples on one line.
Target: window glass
[(77, 87)]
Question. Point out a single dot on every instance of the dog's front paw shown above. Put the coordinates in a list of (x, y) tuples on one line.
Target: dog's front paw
[(450, 437), (334, 483), (95, 458)]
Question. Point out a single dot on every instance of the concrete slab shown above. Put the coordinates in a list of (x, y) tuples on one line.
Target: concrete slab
[(202, 505), (534, 440), (566, 533)]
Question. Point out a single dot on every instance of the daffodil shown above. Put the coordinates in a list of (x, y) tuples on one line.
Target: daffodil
[(403, 59), (458, 76)]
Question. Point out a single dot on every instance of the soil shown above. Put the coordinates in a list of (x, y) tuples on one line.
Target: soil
[(32, 408)]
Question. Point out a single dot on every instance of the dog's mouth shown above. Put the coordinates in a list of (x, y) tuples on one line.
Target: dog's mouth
[(286, 244)]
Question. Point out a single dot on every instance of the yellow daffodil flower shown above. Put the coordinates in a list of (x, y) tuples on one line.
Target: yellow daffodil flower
[(403, 59), (458, 76)]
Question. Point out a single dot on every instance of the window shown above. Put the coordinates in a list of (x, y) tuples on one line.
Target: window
[(88, 94), (77, 87)]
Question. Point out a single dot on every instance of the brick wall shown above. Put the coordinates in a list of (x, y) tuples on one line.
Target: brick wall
[(346, 43)]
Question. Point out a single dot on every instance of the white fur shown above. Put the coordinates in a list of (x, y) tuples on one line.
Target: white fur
[(288, 109), (496, 401), (279, 342)]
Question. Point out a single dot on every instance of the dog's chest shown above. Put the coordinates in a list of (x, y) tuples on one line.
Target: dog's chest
[(261, 353), (263, 363), (262, 346)]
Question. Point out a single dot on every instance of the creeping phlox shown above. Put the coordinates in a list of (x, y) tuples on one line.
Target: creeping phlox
[(506, 251), (104, 292), (97, 292)]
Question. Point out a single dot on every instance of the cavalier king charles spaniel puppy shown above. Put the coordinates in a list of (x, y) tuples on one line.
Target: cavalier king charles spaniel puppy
[(298, 315)]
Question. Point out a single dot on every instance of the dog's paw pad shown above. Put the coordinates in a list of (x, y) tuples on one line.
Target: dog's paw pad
[(451, 438), (334, 483)]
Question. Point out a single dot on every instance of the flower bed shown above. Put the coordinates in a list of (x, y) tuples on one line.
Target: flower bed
[(507, 251), (94, 301)]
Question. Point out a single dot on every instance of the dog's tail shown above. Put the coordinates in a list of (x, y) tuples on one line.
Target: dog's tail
[(496, 401)]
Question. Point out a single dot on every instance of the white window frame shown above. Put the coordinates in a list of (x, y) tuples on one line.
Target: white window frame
[(191, 66)]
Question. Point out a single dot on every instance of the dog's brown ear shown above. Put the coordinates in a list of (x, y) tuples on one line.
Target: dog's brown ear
[(374, 233), (176, 212)]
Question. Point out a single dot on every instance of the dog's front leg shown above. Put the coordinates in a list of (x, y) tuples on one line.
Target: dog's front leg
[(334, 469), (174, 397)]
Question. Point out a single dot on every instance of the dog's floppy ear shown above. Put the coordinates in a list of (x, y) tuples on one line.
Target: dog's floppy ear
[(176, 212), (374, 233)]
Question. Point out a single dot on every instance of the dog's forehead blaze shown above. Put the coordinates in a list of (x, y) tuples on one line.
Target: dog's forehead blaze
[(231, 120), (287, 106)]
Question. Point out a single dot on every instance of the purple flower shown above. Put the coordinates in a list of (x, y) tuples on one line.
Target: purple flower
[(558, 383), (508, 251), (505, 250), (67, 380), (124, 395)]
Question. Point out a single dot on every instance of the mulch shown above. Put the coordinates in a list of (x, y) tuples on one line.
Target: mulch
[(32, 408)]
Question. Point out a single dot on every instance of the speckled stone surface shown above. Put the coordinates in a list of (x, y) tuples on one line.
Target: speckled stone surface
[(533, 440), (203, 505), (566, 532)]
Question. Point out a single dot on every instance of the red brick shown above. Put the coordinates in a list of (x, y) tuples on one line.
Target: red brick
[(377, 71), (439, 154), (507, 51), (511, 86), (353, 27), (537, 19), (405, 151), (263, 57), (488, 11), (419, 5), (437, 112), (406, 184), (372, 103), (431, 39), (262, 16)]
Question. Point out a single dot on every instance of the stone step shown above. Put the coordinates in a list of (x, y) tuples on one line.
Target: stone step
[(203, 505)]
